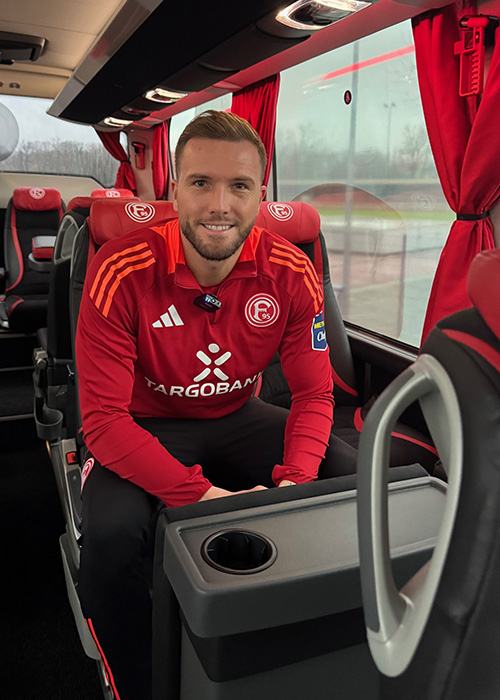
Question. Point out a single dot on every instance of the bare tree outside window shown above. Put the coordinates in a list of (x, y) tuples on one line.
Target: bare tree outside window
[(54, 147)]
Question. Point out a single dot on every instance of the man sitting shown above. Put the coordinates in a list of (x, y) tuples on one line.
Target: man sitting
[(176, 325)]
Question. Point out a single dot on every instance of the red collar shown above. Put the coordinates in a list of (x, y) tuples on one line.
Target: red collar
[(176, 262)]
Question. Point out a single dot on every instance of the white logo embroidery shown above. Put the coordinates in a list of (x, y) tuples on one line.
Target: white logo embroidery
[(262, 310), (87, 468), (281, 212), (213, 348), (37, 193), (140, 211), (169, 318), (112, 193)]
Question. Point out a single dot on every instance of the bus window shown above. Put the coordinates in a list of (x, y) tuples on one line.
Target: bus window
[(54, 147), (351, 140)]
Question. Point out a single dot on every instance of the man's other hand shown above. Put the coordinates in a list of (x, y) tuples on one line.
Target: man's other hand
[(216, 492)]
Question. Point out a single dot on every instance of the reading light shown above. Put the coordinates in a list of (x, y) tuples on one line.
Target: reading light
[(311, 15), (111, 121), (165, 96)]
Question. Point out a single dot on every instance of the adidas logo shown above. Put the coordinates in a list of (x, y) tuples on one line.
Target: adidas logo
[(169, 318)]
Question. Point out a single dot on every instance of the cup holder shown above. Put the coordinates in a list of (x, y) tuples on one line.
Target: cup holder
[(238, 551)]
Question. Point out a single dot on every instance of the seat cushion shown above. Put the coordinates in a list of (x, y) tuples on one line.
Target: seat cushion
[(26, 314), (407, 445)]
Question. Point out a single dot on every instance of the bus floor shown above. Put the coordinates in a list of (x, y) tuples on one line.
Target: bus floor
[(41, 655)]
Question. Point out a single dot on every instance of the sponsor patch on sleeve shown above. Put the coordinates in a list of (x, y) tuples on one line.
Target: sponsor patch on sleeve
[(318, 332)]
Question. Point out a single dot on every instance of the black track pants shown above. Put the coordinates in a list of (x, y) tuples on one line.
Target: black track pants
[(236, 452)]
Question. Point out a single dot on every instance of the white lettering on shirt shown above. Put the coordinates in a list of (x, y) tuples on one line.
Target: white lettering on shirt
[(205, 389), (161, 388)]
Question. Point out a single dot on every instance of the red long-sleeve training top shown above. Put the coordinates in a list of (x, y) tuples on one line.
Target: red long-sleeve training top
[(144, 349)]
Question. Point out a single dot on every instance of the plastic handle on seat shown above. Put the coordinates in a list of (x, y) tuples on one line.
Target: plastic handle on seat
[(395, 621)]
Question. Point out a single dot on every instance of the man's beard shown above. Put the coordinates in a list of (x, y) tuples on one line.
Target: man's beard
[(220, 250)]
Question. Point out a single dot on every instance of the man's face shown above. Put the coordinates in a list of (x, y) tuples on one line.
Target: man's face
[(217, 195)]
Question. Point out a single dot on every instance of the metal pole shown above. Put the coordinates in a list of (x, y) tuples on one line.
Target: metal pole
[(349, 198)]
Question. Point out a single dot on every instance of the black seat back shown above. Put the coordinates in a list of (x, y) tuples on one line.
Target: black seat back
[(32, 212), (300, 224), (58, 333), (454, 656)]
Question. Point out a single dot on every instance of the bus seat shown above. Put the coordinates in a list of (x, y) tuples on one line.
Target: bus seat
[(112, 193), (57, 341), (299, 222), (32, 213), (108, 219), (53, 359), (440, 634)]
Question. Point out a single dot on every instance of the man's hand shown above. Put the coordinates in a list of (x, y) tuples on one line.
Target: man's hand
[(216, 492), (286, 482)]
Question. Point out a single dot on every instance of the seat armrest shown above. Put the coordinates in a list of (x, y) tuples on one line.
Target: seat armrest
[(39, 265), (42, 247)]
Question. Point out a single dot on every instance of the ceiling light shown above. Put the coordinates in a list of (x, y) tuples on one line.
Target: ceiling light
[(112, 121), (312, 15), (164, 96)]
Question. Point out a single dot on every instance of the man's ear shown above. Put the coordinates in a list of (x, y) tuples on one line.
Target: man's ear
[(263, 189), (175, 185)]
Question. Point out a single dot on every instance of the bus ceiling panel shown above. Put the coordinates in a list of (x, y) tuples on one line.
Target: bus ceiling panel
[(31, 82), (173, 36), (171, 45), (68, 27), (382, 14)]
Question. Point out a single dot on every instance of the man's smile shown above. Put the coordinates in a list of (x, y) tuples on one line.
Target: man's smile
[(218, 227)]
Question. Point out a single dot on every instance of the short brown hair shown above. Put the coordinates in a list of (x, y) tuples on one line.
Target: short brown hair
[(220, 126)]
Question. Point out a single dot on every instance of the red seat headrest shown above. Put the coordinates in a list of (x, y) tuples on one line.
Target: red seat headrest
[(112, 193), (483, 286), (298, 222), (36, 198), (80, 203), (112, 218)]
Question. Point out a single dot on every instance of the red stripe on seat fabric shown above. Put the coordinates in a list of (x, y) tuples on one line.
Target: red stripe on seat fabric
[(342, 385), (109, 674), (258, 387), (358, 421), (14, 305), (17, 247), (358, 424), (480, 346), (427, 447)]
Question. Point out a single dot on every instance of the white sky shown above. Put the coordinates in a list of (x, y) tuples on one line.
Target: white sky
[(36, 125)]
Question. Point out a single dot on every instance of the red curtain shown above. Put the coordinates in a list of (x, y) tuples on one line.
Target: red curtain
[(463, 133), (160, 160), (257, 104), (124, 177)]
